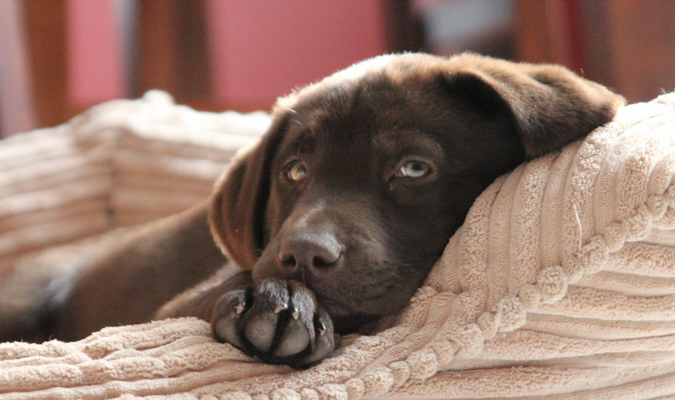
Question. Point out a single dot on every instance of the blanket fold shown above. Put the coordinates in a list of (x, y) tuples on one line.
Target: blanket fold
[(107, 167), (559, 285)]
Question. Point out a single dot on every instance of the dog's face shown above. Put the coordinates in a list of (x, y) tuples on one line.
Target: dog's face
[(367, 186), (364, 177)]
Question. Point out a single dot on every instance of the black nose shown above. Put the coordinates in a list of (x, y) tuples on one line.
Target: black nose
[(310, 251)]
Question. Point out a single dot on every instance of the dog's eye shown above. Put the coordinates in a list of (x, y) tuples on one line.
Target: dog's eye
[(296, 171), (413, 169)]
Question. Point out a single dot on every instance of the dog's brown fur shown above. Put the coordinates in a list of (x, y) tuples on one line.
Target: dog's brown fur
[(350, 241)]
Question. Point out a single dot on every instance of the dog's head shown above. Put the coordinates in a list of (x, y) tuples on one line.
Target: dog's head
[(364, 176)]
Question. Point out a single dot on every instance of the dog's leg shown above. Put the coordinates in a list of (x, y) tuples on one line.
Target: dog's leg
[(146, 269), (34, 289), (120, 278)]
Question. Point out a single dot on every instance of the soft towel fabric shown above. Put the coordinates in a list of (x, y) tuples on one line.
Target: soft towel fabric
[(560, 285), (119, 164)]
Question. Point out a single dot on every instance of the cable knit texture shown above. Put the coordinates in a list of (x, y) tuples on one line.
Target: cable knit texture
[(560, 285)]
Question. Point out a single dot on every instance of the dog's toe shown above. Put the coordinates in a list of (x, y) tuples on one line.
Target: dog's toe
[(227, 314), (294, 340), (324, 342), (270, 298), (260, 330)]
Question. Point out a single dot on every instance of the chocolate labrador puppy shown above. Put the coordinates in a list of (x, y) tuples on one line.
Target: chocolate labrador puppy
[(336, 216)]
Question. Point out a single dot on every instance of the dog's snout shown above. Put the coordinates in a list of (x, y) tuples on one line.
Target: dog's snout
[(310, 251)]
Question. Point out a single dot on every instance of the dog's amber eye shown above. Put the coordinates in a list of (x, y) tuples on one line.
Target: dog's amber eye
[(296, 171), (413, 169)]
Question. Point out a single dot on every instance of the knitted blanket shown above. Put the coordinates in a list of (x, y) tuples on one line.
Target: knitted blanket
[(560, 285)]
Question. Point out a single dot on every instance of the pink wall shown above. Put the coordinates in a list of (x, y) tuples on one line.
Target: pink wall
[(262, 49), (95, 64)]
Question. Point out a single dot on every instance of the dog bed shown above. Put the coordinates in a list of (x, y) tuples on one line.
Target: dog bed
[(560, 285), (119, 164)]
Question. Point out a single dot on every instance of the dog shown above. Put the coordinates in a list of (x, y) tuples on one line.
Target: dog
[(333, 220)]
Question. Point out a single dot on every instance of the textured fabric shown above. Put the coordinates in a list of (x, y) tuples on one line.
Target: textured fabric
[(560, 285), (110, 166)]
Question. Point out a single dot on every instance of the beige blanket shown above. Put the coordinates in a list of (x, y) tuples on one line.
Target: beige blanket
[(560, 285), (110, 167)]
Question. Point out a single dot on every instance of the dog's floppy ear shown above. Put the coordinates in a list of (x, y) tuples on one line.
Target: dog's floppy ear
[(240, 198), (550, 105)]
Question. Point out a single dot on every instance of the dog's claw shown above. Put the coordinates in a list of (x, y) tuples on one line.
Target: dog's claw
[(239, 309), (325, 339), (280, 307), (295, 314), (322, 328)]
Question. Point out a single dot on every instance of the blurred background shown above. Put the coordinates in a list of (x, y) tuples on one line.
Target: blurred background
[(59, 57)]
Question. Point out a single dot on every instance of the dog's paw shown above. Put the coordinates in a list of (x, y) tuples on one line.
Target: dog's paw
[(278, 321)]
